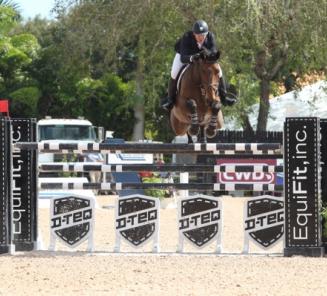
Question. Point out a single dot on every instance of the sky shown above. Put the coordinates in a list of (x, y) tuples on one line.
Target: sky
[(31, 8)]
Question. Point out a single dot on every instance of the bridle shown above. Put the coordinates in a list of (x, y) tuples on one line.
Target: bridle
[(205, 87)]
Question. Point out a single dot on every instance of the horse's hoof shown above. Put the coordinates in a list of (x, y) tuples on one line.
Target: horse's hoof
[(211, 132), (194, 130)]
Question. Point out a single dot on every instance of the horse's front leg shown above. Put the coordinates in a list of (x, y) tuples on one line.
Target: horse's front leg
[(212, 127), (195, 126)]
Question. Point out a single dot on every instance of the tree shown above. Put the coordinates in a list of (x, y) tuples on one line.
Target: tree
[(17, 51), (104, 33), (265, 39), (55, 76), (12, 5), (73, 85), (260, 42), (8, 17), (108, 101)]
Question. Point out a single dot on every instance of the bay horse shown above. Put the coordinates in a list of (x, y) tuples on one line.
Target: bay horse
[(198, 107)]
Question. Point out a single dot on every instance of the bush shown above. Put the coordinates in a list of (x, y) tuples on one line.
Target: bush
[(159, 193)]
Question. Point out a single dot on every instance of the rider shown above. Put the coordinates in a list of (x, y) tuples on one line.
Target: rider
[(188, 48)]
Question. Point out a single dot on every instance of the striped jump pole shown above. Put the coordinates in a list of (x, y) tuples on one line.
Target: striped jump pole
[(181, 186), (197, 148), (82, 167)]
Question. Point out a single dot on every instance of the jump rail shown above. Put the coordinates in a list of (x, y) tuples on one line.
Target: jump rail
[(197, 148), (81, 167), (181, 186), (302, 182)]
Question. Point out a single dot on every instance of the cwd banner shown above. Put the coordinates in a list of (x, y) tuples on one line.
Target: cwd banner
[(246, 177)]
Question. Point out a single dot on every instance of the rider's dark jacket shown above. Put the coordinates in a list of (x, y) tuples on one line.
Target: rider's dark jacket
[(186, 46)]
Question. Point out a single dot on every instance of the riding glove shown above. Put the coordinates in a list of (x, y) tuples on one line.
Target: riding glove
[(195, 57)]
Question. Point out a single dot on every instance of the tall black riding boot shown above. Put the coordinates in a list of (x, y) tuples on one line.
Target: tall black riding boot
[(226, 97), (172, 90)]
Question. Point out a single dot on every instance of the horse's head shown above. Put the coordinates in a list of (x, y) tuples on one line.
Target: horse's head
[(209, 76)]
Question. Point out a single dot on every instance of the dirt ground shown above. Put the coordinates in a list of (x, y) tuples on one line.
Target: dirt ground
[(140, 272)]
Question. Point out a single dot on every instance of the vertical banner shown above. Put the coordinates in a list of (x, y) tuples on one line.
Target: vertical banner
[(24, 186), (323, 151), (302, 187), (4, 185)]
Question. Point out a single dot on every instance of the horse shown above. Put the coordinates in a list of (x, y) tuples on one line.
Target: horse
[(198, 107)]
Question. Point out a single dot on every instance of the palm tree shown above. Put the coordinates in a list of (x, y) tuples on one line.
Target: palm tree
[(10, 3), (15, 6)]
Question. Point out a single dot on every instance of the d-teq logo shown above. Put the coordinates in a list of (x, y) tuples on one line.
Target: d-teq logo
[(72, 219), (137, 219), (199, 220), (264, 220)]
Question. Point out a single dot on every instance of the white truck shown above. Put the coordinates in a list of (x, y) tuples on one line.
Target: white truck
[(69, 130)]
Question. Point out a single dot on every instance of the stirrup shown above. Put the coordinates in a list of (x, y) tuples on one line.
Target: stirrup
[(229, 99), (231, 96)]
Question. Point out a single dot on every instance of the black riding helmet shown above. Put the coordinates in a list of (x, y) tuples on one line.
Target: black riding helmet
[(200, 27)]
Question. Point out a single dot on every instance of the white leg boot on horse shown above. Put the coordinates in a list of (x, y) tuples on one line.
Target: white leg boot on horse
[(194, 128), (212, 127)]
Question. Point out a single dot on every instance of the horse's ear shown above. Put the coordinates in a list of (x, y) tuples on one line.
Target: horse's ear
[(214, 56)]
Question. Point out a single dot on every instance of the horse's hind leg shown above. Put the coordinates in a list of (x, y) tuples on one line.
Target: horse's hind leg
[(195, 127), (213, 124)]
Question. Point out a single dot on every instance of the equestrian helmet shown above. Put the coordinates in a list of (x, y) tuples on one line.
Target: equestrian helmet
[(200, 27)]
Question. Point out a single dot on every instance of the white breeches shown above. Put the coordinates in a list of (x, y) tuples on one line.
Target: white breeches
[(177, 65)]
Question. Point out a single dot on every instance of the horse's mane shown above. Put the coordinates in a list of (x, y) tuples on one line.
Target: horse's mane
[(210, 57)]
